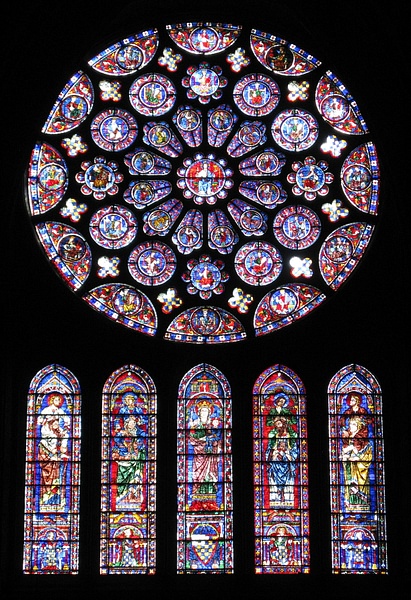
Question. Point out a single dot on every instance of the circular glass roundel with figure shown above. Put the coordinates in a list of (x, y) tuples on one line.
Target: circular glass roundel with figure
[(204, 183)]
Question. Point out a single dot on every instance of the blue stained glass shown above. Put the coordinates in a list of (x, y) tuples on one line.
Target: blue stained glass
[(281, 524), (52, 499), (204, 473), (357, 480), (191, 125), (128, 473)]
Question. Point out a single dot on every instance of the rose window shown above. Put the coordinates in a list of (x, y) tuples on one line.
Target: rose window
[(204, 183)]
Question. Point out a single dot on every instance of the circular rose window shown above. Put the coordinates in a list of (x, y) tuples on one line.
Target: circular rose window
[(204, 183)]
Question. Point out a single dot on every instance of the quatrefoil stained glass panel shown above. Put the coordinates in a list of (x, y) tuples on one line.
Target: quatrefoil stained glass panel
[(204, 183)]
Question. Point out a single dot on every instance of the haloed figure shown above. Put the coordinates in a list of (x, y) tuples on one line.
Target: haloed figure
[(52, 452), (205, 438), (356, 456), (281, 455)]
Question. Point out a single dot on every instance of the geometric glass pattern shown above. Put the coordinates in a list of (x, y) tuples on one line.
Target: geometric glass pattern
[(53, 439), (357, 479), (204, 473), (281, 519), (197, 160), (128, 473)]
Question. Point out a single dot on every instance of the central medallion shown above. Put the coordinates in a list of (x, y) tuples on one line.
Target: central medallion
[(205, 178)]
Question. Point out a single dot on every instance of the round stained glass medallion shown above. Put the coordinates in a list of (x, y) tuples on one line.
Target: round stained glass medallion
[(113, 227), (152, 263), (222, 182), (114, 129)]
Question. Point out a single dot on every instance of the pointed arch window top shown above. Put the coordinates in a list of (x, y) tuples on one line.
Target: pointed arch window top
[(52, 491), (128, 473), (280, 459), (204, 473), (357, 473)]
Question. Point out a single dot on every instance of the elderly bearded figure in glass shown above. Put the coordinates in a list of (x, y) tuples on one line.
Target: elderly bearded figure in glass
[(205, 453), (282, 453)]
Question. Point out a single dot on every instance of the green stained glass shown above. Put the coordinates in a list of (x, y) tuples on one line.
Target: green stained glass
[(128, 473)]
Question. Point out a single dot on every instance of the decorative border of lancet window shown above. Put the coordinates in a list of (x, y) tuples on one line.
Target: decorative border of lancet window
[(204, 473), (128, 473), (52, 498), (280, 457), (356, 447)]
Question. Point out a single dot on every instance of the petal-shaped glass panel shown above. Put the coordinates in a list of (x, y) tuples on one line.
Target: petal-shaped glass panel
[(67, 250), (203, 38), (128, 56), (360, 178), (279, 56), (338, 107), (205, 325), (47, 178), (342, 250), (284, 305), (142, 162), (221, 235), (161, 136), (72, 106), (160, 220), (250, 220), (189, 234), (126, 305), (146, 192), (249, 136), (268, 162), (220, 123), (189, 123)]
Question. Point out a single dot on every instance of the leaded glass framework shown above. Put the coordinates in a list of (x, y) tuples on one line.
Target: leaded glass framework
[(204, 473), (128, 473), (280, 454), (52, 498), (357, 479), (204, 182)]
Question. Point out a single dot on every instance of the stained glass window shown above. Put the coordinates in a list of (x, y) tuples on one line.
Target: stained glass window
[(358, 513), (281, 517), (53, 439), (128, 494), (204, 183), (204, 473)]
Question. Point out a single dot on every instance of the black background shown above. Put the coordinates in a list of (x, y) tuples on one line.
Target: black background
[(366, 322)]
